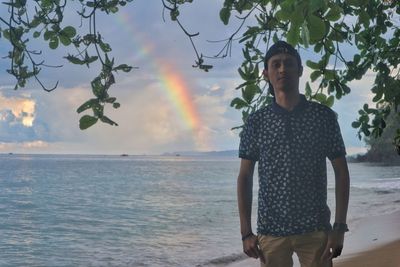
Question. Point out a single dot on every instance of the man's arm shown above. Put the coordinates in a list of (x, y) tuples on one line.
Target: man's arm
[(342, 188), (245, 198)]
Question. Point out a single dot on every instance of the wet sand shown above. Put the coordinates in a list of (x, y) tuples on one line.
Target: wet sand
[(386, 256), (371, 242)]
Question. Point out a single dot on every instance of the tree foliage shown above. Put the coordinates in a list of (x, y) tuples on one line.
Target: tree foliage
[(44, 19), (381, 149), (350, 37)]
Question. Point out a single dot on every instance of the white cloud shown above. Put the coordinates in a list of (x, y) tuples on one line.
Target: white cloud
[(17, 147), (356, 150), (148, 123), (22, 109), (214, 87)]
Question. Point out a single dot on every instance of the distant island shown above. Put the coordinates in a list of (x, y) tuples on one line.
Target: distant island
[(223, 153), (382, 149), (373, 155), (377, 156)]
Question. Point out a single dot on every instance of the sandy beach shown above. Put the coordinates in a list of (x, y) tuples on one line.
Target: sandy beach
[(385, 256), (371, 242)]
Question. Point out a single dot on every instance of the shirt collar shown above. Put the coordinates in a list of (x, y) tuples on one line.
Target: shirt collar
[(299, 107)]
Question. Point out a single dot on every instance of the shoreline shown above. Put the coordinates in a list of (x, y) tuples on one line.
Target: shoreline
[(371, 242), (385, 255)]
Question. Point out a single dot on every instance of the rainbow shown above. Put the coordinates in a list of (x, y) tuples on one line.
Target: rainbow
[(178, 94), (173, 84)]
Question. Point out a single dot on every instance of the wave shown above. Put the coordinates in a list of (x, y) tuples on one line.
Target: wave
[(224, 260), (387, 187)]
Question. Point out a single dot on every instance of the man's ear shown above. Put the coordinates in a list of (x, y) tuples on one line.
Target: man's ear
[(301, 71), (265, 73)]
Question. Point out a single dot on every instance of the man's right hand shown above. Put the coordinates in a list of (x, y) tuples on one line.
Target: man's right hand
[(250, 247)]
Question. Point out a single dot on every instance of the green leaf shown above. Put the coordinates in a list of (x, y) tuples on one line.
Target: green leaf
[(364, 18), (97, 87), (355, 124), (98, 110), (312, 65), (305, 34), (91, 59), (47, 3), (114, 9), (69, 31), (123, 67), (314, 5), (318, 46), (334, 13), (53, 44), (174, 14), (242, 74), (107, 120), (320, 97), (239, 103), (65, 40), (308, 90), (87, 105), (316, 27), (329, 101), (346, 89), (104, 46), (111, 99), (293, 35), (297, 17), (329, 74), (74, 60), (249, 92), (87, 121), (116, 105), (36, 34), (355, 3), (48, 34), (284, 14), (314, 75), (224, 15)]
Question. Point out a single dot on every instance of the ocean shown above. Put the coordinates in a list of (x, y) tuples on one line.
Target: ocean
[(75, 210)]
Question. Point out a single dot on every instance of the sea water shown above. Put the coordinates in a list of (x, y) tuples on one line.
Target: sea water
[(66, 210)]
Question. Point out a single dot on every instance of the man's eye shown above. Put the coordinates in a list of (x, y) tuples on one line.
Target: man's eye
[(289, 63)]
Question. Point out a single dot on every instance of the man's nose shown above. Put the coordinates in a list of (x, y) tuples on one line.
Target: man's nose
[(282, 68)]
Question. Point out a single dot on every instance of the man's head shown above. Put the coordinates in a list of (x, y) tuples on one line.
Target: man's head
[(283, 67)]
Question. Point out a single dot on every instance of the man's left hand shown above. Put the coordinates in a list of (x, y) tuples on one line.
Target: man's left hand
[(334, 245)]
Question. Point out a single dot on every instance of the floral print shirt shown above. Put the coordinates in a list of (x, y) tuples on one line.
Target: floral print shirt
[(291, 148)]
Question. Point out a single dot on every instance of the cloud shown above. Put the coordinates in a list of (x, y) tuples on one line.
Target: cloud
[(356, 150), (23, 147), (16, 110), (148, 122), (214, 87), (217, 115)]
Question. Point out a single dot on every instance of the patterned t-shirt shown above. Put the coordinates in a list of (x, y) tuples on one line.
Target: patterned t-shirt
[(291, 148)]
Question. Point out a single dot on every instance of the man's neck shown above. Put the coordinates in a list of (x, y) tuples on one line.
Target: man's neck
[(287, 101)]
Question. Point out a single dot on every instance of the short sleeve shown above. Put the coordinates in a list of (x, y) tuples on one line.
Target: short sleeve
[(335, 144), (248, 148)]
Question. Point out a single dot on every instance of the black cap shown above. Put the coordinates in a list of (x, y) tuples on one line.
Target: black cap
[(280, 47)]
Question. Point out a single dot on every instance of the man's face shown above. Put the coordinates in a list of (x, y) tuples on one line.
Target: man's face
[(283, 72)]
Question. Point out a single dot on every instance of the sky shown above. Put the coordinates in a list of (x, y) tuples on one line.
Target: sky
[(166, 104)]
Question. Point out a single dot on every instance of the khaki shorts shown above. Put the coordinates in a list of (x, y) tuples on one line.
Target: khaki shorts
[(309, 247)]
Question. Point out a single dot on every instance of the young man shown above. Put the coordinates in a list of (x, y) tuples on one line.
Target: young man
[(291, 139)]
